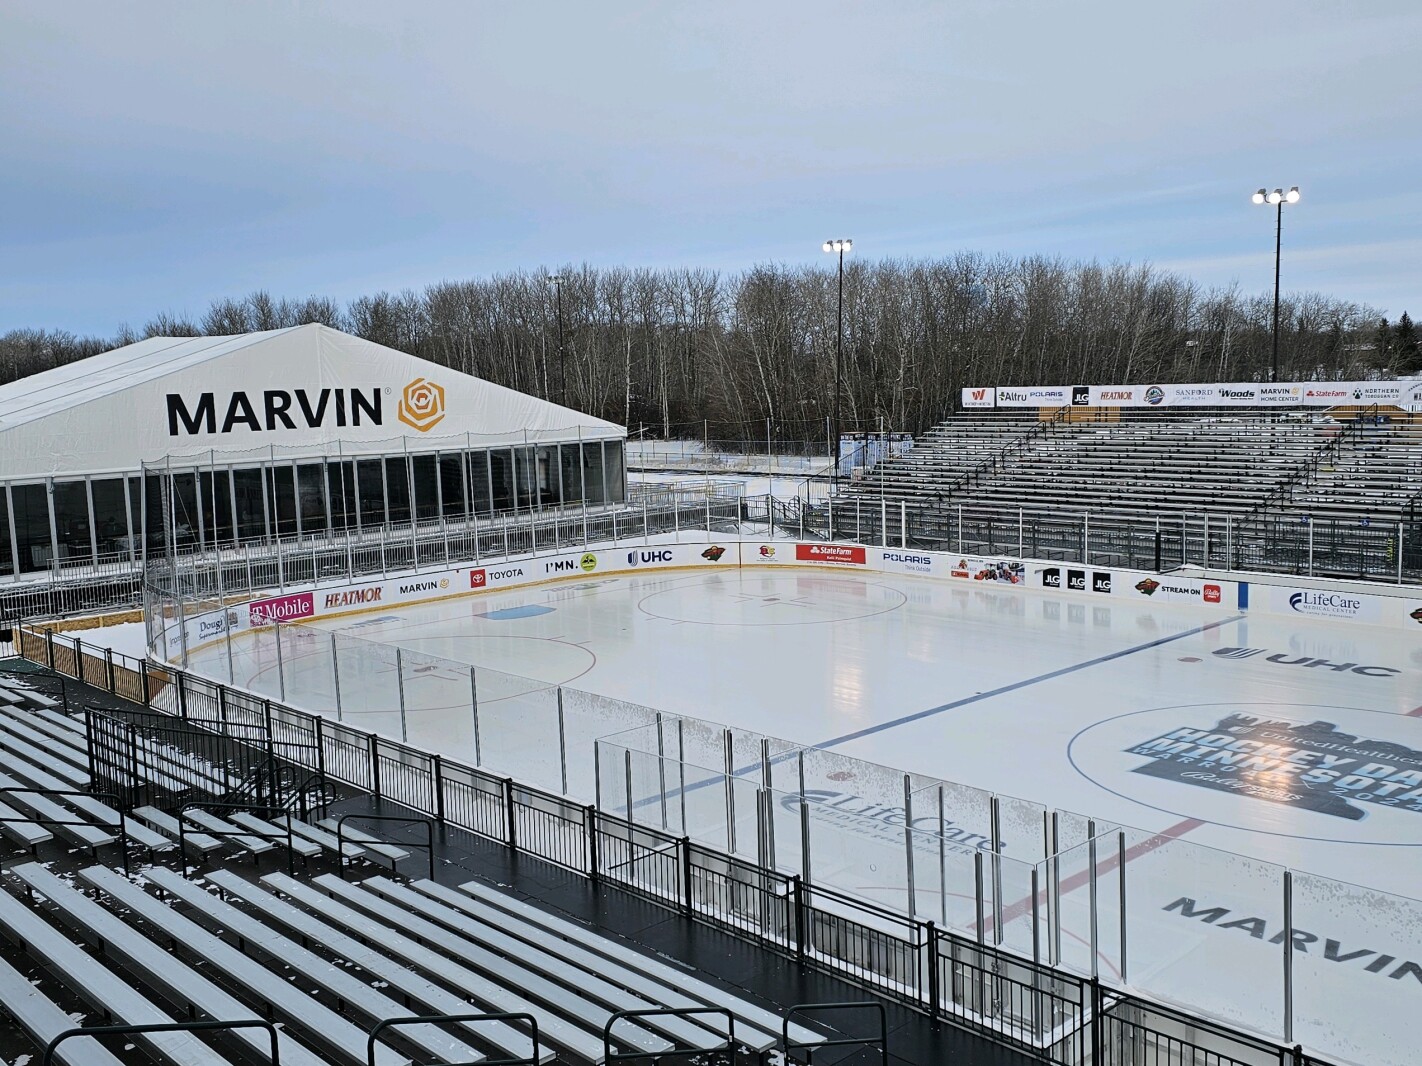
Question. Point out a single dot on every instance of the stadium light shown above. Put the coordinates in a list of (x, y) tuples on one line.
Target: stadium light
[(1279, 198), (556, 280), (837, 246)]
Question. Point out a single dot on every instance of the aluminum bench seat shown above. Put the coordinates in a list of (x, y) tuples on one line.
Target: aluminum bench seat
[(511, 973), (351, 990), (274, 833), (510, 1041), (43, 806), (97, 985), (592, 981), (39, 699), (392, 852), (43, 1019), (228, 832), (482, 992), (136, 831), (60, 742), (318, 1024), (319, 836), (629, 970), (760, 1017), (27, 832), (166, 823), (20, 756)]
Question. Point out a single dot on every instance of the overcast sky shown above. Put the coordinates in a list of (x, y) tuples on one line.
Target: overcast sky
[(155, 156)]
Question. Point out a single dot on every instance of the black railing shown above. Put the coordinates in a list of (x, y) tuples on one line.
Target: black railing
[(1056, 1016)]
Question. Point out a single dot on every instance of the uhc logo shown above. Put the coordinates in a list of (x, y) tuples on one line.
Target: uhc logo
[(1238, 653), (634, 558)]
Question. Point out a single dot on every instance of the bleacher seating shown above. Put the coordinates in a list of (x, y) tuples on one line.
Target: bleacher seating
[(1237, 463), (325, 959)]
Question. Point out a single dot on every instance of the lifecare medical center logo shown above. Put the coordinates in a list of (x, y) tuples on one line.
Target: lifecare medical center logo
[(1312, 766)]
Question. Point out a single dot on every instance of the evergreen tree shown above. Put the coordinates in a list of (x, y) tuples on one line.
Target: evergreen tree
[(1407, 353)]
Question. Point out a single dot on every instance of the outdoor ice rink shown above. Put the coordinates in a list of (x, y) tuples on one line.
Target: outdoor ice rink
[(1016, 691), (1230, 747)]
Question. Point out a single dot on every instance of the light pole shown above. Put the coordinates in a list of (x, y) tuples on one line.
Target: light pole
[(838, 246), (557, 282), (1278, 197)]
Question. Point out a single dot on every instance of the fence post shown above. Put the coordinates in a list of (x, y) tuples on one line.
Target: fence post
[(181, 680), (1021, 546), (1288, 956), (109, 667), (933, 976), (1399, 552), (49, 646), (372, 748), (281, 670), (729, 745), (798, 888), (1310, 545), (439, 788), (474, 709), (908, 845), (563, 749), (400, 688), (995, 821), (683, 847), (978, 895), (512, 823), (1092, 890), (1121, 870), (1097, 1036), (590, 831), (143, 677)]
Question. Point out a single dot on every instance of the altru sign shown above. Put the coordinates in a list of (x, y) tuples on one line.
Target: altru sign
[(274, 409)]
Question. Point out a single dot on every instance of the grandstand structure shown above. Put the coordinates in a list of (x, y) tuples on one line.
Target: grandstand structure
[(195, 874), (1329, 492)]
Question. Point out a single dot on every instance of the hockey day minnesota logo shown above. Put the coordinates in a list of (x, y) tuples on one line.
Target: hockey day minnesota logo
[(1314, 766)]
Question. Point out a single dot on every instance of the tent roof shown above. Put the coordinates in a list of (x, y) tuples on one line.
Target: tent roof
[(39, 396)]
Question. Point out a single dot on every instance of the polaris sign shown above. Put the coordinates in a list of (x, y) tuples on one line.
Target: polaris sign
[(273, 409)]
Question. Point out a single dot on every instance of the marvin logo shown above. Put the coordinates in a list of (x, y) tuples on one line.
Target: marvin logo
[(273, 409)]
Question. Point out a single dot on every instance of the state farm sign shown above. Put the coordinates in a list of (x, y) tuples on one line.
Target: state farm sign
[(829, 553)]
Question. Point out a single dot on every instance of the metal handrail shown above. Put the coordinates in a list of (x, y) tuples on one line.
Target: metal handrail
[(437, 1019), (97, 1031)]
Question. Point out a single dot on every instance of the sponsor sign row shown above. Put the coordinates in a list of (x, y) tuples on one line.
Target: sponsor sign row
[(1325, 604), (1239, 394)]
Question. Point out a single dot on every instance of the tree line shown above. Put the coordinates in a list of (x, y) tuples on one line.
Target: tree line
[(686, 352)]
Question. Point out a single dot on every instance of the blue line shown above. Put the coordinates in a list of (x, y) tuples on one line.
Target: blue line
[(1015, 685)]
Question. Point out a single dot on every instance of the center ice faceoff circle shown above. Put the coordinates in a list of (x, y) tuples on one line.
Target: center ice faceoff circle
[(1311, 771), (797, 599)]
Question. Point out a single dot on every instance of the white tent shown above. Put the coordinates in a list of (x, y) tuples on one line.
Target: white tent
[(287, 392)]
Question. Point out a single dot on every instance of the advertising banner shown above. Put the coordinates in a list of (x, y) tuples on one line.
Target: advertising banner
[(1067, 578), (846, 554), (1167, 588), (1405, 393), (908, 561), (1320, 603), (1036, 396)]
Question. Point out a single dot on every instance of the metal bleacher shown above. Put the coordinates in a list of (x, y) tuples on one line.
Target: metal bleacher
[(212, 931)]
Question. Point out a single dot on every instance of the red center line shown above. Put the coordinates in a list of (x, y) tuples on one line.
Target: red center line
[(1103, 866)]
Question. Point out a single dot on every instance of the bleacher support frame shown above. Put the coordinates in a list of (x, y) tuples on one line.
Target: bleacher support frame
[(611, 1056), (879, 1042)]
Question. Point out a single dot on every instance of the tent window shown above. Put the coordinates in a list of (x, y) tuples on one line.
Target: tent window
[(426, 481), (32, 541), (250, 514), (7, 558), (370, 478), (480, 495), (397, 489), (110, 518), (451, 485)]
